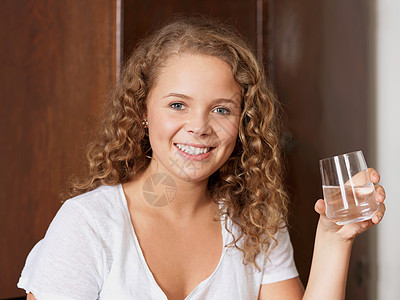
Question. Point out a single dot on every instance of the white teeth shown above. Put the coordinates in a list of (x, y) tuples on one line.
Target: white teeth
[(192, 150)]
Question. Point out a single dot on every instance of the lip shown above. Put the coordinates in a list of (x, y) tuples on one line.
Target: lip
[(197, 157)]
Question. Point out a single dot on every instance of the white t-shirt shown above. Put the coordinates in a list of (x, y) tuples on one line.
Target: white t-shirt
[(90, 251)]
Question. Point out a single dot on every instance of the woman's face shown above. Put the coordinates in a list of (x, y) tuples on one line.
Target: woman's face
[(193, 112)]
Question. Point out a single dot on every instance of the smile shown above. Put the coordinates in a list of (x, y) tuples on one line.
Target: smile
[(193, 150)]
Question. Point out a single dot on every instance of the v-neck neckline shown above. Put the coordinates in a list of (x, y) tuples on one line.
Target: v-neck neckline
[(144, 262)]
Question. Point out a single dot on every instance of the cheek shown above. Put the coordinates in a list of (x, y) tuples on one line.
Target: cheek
[(162, 126), (228, 132)]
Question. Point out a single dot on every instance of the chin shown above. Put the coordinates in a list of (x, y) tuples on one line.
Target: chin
[(190, 176)]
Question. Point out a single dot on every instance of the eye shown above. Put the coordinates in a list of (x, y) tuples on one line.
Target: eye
[(222, 111), (177, 105)]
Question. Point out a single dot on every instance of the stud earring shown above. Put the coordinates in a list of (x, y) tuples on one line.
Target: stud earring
[(145, 123)]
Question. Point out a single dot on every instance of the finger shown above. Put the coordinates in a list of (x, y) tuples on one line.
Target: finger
[(320, 207), (374, 175), (377, 217), (380, 193), (367, 224)]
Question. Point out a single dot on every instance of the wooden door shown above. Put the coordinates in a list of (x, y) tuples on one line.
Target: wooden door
[(58, 61), (141, 17), (320, 69)]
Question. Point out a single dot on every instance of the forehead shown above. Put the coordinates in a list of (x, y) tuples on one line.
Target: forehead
[(195, 73)]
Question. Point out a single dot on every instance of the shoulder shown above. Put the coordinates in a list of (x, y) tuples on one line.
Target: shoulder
[(101, 197), (103, 203), (73, 255), (94, 215), (277, 263)]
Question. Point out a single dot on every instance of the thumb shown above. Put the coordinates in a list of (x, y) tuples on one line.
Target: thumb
[(320, 207)]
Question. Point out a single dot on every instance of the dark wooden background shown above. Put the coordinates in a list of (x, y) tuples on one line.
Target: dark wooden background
[(59, 60), (57, 65)]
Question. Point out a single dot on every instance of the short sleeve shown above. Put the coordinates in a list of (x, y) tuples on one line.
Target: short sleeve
[(280, 264), (69, 262)]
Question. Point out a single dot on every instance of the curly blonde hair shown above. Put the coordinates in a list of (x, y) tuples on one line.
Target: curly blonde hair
[(249, 186)]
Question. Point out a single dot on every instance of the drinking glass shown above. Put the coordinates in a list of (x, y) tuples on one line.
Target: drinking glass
[(349, 194)]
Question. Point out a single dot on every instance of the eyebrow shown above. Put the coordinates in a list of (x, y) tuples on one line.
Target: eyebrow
[(185, 97)]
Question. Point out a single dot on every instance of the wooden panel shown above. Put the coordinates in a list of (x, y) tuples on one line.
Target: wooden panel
[(297, 47), (320, 73), (141, 17), (57, 65), (344, 123)]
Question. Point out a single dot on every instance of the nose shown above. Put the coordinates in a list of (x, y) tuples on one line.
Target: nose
[(199, 124)]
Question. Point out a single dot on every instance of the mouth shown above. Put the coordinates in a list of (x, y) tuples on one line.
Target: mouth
[(194, 152)]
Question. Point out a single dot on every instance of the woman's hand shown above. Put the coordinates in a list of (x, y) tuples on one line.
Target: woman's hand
[(332, 249), (349, 231)]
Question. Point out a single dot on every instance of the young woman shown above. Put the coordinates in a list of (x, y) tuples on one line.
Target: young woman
[(185, 198)]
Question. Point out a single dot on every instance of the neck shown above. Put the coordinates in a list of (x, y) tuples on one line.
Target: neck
[(166, 195)]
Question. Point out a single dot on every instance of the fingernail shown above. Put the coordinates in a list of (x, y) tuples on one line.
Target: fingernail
[(382, 195), (376, 176)]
